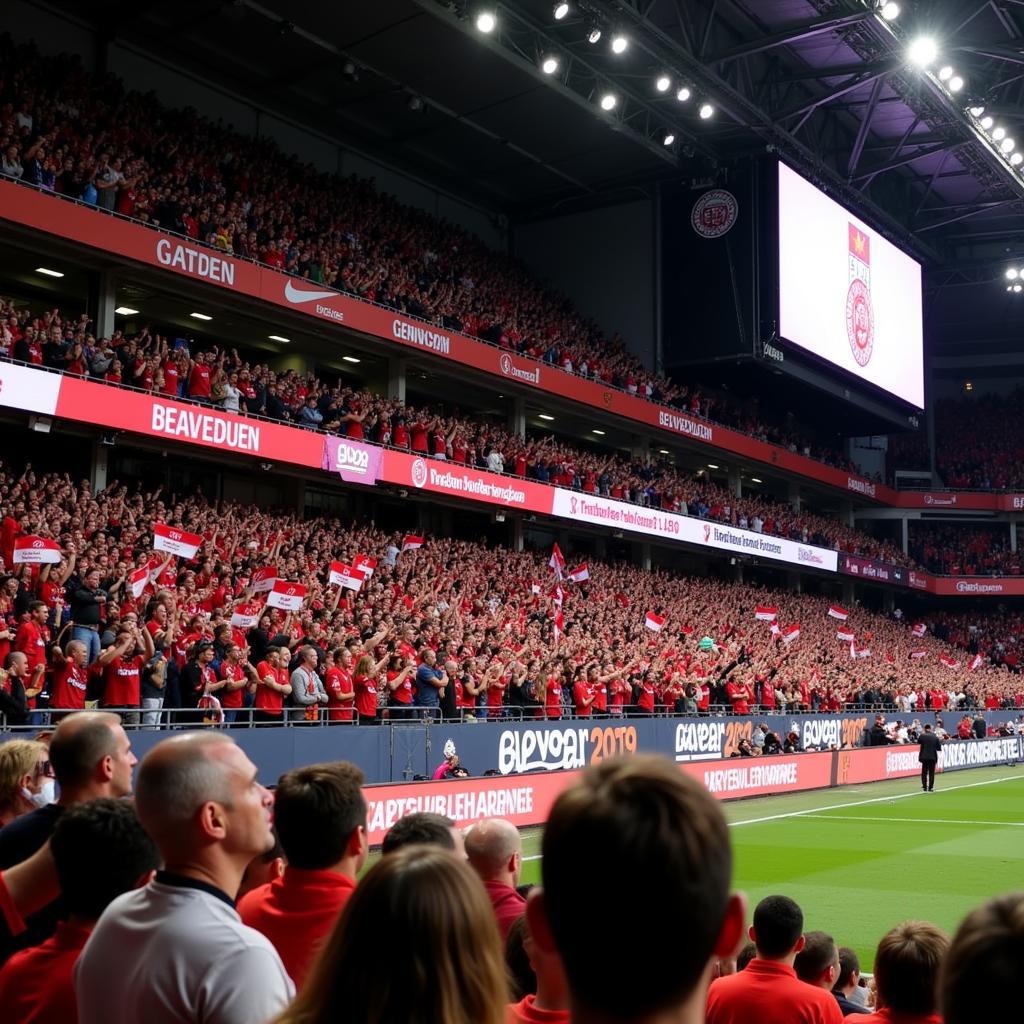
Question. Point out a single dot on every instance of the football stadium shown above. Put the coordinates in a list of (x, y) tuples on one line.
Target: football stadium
[(509, 511)]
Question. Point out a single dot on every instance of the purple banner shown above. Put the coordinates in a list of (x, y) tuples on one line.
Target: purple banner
[(353, 461), (870, 569)]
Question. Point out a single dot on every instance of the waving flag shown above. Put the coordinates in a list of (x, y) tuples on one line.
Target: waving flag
[(557, 594), (243, 621), (580, 574), (139, 580), (791, 633), (919, 629), (919, 654), (654, 622), (264, 579), (288, 596), (30, 550), (342, 575), (411, 542), (846, 635), (176, 541), (365, 564), (976, 663), (559, 626), (835, 612), (556, 561), (534, 588), (948, 661), (774, 629), (765, 614)]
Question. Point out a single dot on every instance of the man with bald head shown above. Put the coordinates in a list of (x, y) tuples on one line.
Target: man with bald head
[(176, 950), (495, 852)]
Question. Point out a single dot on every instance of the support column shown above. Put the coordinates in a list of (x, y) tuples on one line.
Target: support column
[(396, 379), (517, 533), (735, 483), (98, 467), (795, 582), (794, 496), (601, 547), (640, 449), (904, 534), (104, 301), (888, 601), (737, 571), (846, 513), (848, 597), (644, 551), (1013, 535), (517, 416)]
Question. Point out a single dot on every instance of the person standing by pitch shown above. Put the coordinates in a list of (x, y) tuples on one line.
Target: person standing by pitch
[(929, 758)]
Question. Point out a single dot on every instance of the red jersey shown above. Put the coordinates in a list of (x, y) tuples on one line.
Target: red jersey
[(402, 694), (231, 698), (553, 699), (37, 984), (170, 369), (338, 682), (366, 696), (581, 693), (199, 381), (31, 640), (525, 1012), (121, 682), (739, 696), (268, 700), (69, 685)]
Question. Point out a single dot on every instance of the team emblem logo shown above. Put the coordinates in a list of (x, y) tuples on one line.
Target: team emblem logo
[(707, 533), (506, 365), (860, 317), (419, 472), (714, 213)]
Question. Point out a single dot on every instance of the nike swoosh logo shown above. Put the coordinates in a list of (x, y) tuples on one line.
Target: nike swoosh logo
[(293, 294)]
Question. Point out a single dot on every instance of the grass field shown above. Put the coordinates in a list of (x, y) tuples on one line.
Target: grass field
[(861, 859)]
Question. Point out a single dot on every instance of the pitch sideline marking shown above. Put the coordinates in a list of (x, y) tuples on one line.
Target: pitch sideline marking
[(851, 803), (926, 821)]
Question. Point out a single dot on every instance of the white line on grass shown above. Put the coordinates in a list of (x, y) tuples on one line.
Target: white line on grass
[(812, 811), (925, 821)]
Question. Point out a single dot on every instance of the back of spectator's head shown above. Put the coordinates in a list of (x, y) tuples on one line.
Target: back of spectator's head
[(818, 962), (907, 966), (494, 848), (652, 822), (198, 797), (522, 979), (263, 868), (320, 815), (91, 754), (745, 955), (985, 957), (421, 828), (439, 907), (100, 850), (778, 927), (849, 968)]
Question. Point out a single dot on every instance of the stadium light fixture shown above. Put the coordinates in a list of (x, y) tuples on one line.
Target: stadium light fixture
[(999, 133), (889, 9), (486, 22), (545, 416), (945, 73), (561, 10), (1016, 158), (663, 83), (712, 465), (976, 111), (549, 65), (956, 83), (683, 94), (125, 311), (48, 272), (1018, 288), (351, 359), (706, 110), (922, 51), (608, 101), (619, 44), (668, 140), (756, 480), (200, 316), (594, 36), (600, 433), (664, 451), (1012, 273), (278, 337), (987, 122), (1007, 145)]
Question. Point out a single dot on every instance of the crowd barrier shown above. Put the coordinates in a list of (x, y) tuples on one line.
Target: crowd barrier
[(400, 753)]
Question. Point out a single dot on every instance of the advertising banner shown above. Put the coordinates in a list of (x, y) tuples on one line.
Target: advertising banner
[(22, 387), (353, 461)]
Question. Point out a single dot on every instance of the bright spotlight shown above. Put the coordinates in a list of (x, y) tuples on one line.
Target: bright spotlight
[(1015, 159), (706, 110), (923, 51), (549, 65), (976, 111), (663, 83), (608, 101), (668, 140), (619, 44), (999, 134), (945, 73), (1018, 288), (890, 10), (485, 21), (956, 83), (683, 95), (560, 11), (1007, 145), (987, 122), (595, 35), (1012, 273)]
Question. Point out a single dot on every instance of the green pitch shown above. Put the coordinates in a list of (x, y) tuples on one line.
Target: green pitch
[(860, 859)]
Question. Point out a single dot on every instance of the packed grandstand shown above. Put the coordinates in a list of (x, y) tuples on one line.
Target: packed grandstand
[(266, 705)]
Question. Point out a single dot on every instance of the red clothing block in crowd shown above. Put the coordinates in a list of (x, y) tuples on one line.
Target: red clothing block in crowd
[(888, 1017), (769, 992), (526, 1012), (297, 912), (36, 984), (508, 905)]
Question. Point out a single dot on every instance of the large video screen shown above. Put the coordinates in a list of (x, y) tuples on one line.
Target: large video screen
[(846, 294)]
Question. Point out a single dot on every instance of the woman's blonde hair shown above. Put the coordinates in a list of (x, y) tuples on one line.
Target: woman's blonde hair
[(453, 969), (18, 758), (364, 666)]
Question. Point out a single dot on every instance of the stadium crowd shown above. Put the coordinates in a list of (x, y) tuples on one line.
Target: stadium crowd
[(451, 627), (226, 380), (92, 141), (210, 898), (963, 549)]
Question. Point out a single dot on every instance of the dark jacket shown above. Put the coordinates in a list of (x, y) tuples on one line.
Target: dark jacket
[(930, 746)]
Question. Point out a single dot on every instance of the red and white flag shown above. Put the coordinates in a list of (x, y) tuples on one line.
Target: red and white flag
[(365, 564), (559, 625), (580, 574), (846, 635), (557, 594), (919, 654), (835, 612), (139, 580), (411, 542), (242, 621), (176, 541), (30, 550), (948, 661), (534, 587), (263, 579), (556, 561), (976, 663), (765, 614), (863, 652), (918, 630), (774, 629), (621, 600), (791, 633), (342, 575), (654, 622), (288, 596)]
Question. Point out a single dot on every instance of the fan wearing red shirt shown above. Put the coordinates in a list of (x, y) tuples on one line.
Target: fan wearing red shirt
[(100, 851), (233, 674), (199, 378), (338, 684), (399, 680), (553, 697), (767, 990), (70, 677), (33, 635), (583, 697), (364, 682), (273, 686), (739, 696), (320, 820), (122, 667)]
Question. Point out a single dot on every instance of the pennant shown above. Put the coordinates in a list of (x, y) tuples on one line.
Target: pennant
[(243, 621), (139, 580), (365, 564), (288, 596), (263, 579), (919, 654), (580, 574), (846, 635), (976, 663), (175, 541), (411, 542), (791, 633), (557, 594), (559, 625), (948, 661), (919, 629), (765, 614), (654, 622), (31, 550), (835, 612), (342, 575)]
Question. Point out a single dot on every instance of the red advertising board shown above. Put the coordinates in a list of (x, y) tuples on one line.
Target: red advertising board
[(872, 764), (744, 777)]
